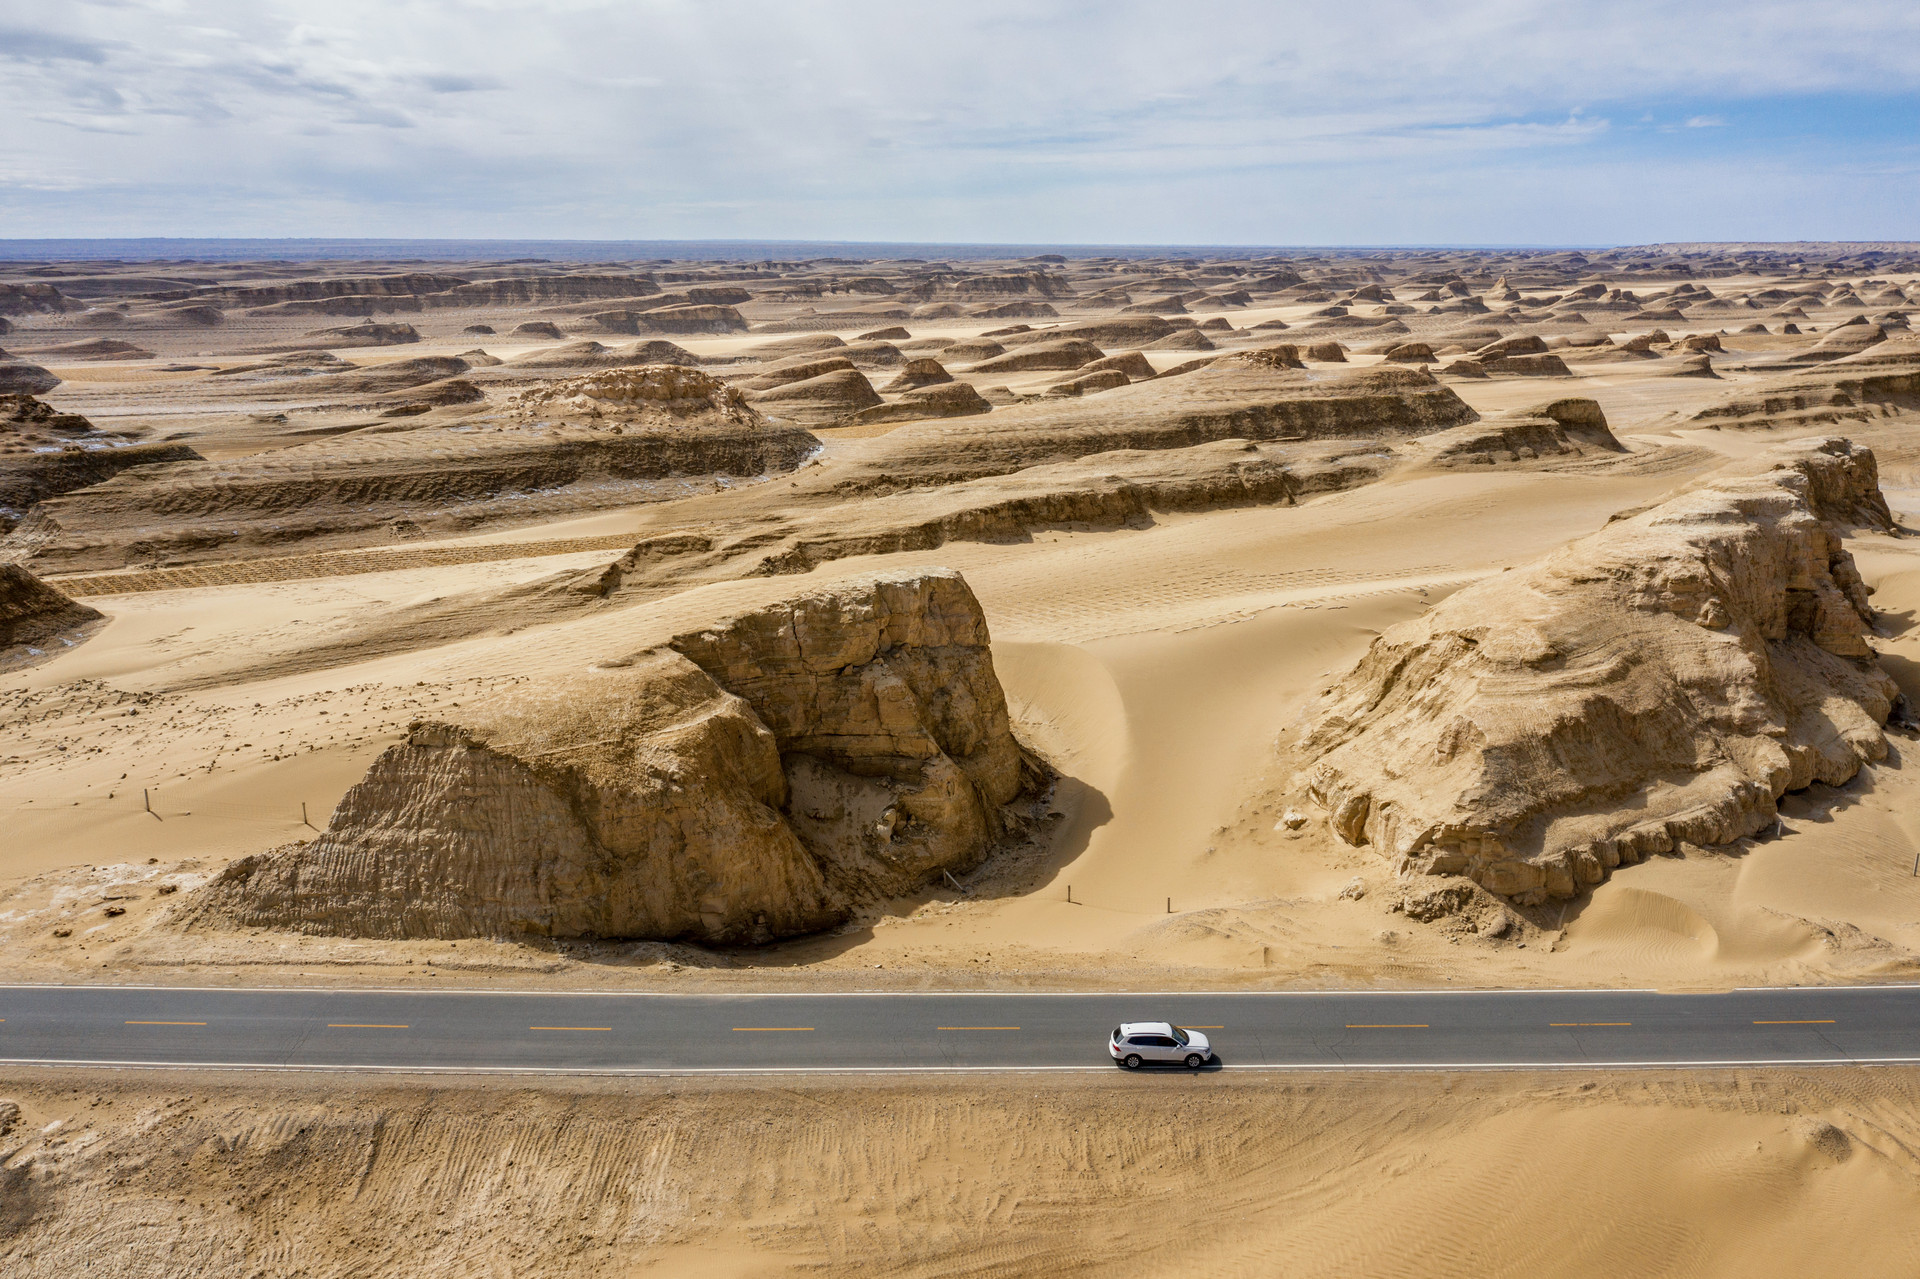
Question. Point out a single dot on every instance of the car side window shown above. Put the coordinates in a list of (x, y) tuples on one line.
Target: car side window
[(1163, 1041)]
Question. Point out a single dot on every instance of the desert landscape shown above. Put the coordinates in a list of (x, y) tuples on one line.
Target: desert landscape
[(1491, 618), (1173, 621)]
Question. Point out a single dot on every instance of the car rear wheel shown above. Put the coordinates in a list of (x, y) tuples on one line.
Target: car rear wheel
[(1195, 1061), (1131, 1061)]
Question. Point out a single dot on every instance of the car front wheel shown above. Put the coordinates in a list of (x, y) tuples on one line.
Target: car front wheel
[(1195, 1061), (1131, 1061)]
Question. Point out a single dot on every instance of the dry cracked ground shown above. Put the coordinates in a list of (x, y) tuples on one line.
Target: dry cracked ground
[(1367, 619)]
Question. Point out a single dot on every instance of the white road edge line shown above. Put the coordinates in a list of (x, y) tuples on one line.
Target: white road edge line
[(1321, 1067), (1903, 985), (886, 994)]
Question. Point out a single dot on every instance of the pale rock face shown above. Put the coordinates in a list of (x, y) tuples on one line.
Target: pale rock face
[(761, 781), (884, 700), (1663, 680)]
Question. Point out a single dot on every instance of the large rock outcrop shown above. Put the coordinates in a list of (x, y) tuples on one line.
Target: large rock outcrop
[(756, 779), (1663, 680)]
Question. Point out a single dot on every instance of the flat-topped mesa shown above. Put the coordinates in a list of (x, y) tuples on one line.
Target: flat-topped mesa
[(760, 778), (1663, 680)]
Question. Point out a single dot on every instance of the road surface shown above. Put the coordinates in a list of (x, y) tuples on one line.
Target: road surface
[(486, 1031)]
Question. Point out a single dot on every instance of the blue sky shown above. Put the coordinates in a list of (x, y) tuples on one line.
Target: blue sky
[(1243, 123)]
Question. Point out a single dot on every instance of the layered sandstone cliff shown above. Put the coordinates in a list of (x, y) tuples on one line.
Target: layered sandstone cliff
[(757, 779), (613, 438), (1663, 680)]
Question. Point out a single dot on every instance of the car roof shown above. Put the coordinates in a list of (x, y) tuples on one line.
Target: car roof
[(1145, 1028)]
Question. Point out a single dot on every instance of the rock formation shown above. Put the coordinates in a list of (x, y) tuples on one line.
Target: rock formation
[(1878, 382), (33, 299), (822, 399), (366, 335), (23, 377), (578, 443), (756, 779), (949, 399), (1663, 680), (35, 617), (1106, 490), (543, 290), (1067, 353), (44, 453), (1563, 428), (95, 349), (918, 373), (1261, 394), (797, 369)]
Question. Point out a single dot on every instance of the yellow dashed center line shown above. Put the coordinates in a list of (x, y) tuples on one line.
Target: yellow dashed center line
[(746, 1029), (1203, 1028), (1394, 1025), (978, 1028), (1810, 1021), (166, 1023), (1589, 1023), (366, 1025), (569, 1028)]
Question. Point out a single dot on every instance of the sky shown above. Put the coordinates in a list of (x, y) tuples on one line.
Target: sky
[(1442, 122)]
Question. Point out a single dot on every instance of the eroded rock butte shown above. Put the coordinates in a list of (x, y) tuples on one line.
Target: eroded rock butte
[(756, 779), (1663, 680)]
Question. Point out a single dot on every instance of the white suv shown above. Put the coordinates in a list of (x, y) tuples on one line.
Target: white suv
[(1135, 1043)]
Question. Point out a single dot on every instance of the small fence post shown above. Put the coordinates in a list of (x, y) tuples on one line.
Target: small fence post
[(1069, 894)]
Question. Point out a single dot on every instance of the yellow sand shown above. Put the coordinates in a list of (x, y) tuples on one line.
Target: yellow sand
[(1552, 1176)]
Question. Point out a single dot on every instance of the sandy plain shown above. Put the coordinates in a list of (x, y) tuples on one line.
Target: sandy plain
[(1506, 1174), (1161, 665)]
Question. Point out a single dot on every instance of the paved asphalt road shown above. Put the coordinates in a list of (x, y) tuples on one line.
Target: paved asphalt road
[(744, 1034)]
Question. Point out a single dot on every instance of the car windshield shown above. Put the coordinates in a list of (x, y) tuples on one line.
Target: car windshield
[(1180, 1036)]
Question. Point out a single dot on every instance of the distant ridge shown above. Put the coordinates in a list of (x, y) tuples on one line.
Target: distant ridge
[(394, 252), (1824, 247)]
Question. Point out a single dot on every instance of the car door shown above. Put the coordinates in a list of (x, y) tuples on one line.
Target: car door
[(1164, 1048)]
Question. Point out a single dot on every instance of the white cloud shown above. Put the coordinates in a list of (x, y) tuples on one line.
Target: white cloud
[(840, 118)]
